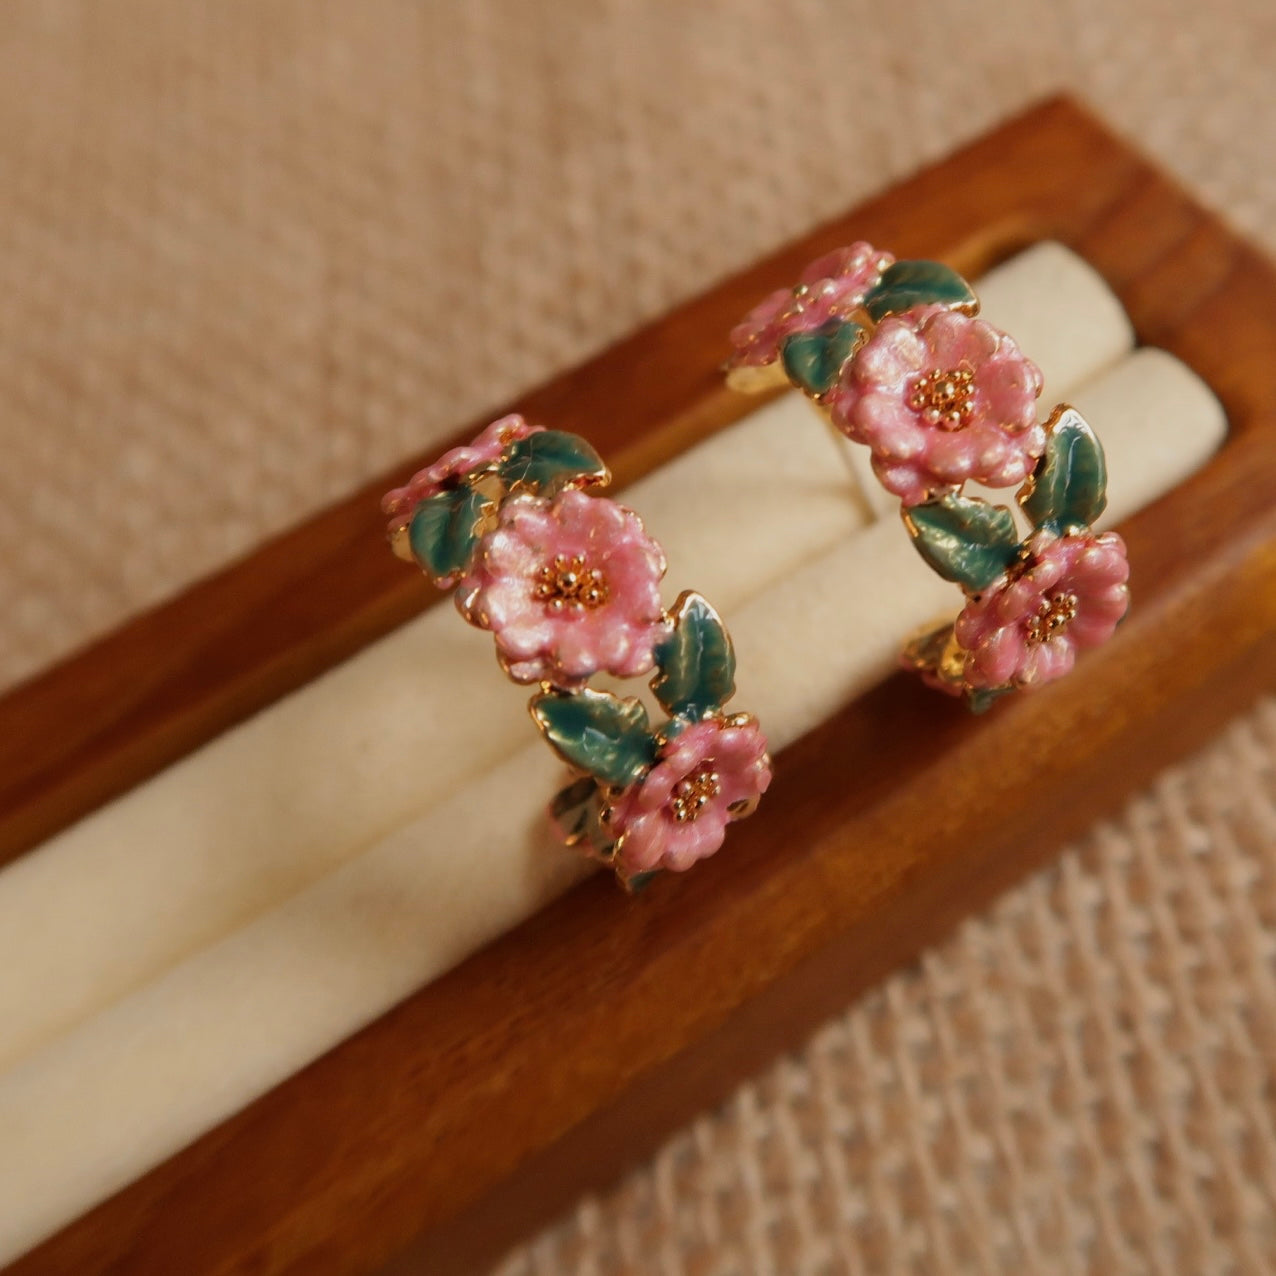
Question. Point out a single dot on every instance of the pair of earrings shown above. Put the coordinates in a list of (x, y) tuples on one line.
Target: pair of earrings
[(568, 581)]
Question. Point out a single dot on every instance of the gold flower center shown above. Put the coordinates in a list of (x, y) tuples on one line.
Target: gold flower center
[(571, 582), (944, 397), (692, 794), (1052, 618)]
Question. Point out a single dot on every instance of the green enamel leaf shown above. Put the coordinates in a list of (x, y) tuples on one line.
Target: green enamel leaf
[(812, 360), (577, 814), (965, 539), (918, 283), (1068, 489), (598, 733), (696, 662), (550, 460), (983, 700), (444, 531)]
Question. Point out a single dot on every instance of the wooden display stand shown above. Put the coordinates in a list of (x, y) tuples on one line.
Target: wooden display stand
[(551, 1060)]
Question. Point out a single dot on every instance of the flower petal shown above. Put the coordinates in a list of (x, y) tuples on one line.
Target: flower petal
[(905, 479), (955, 340), (888, 426), (951, 456), (996, 659), (697, 839), (890, 357), (642, 845)]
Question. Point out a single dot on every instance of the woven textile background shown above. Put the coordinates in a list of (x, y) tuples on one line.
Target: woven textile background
[(253, 252)]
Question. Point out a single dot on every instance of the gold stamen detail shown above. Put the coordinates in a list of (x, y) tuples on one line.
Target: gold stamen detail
[(1053, 618), (692, 794), (944, 397), (571, 582)]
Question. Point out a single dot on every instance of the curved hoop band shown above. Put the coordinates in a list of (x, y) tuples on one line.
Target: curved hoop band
[(893, 354), (568, 583)]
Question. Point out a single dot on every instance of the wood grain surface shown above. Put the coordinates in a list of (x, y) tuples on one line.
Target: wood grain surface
[(550, 1060)]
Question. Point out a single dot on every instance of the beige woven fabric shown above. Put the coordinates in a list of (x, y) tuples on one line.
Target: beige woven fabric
[(253, 252)]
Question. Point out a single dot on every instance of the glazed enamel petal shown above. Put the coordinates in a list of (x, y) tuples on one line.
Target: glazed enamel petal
[(1052, 567), (887, 426), (857, 268), (643, 845), (1093, 626), (997, 657), (904, 479), (1105, 563), (687, 844), (525, 637), (892, 355), (951, 457), (1009, 387), (1046, 661), (510, 553), (756, 339), (636, 571), (508, 601), (955, 340)]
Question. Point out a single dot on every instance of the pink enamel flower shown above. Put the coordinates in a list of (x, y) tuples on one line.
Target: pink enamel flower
[(401, 502), (941, 398), (1028, 629), (833, 285), (569, 587), (713, 772)]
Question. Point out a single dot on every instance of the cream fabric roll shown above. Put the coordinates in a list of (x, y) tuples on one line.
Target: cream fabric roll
[(1046, 291), (131, 1085), (257, 814)]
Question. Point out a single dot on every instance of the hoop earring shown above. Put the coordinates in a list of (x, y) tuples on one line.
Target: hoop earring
[(893, 354), (568, 584)]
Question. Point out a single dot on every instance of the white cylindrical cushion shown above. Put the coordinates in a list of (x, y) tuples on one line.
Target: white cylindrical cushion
[(254, 816), (1060, 311), (137, 1081)]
